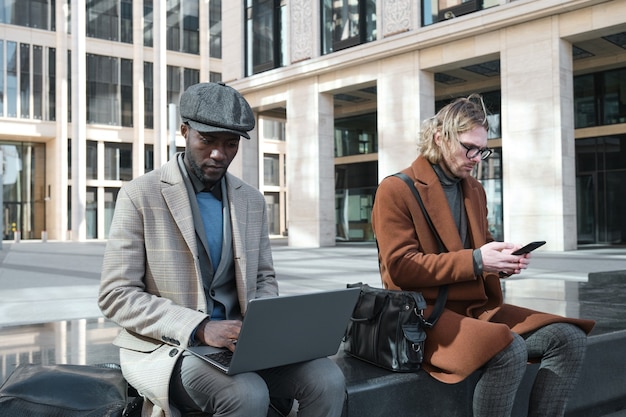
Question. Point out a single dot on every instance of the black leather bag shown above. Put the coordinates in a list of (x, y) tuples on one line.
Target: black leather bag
[(387, 328), (64, 391)]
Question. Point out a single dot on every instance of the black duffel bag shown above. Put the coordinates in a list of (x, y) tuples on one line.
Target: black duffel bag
[(34, 390)]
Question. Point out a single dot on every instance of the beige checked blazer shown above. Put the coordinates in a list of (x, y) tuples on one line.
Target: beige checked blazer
[(151, 283)]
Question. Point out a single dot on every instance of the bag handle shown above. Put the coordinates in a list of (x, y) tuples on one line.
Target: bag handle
[(442, 296)]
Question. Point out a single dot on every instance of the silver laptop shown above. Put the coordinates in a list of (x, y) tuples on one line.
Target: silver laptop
[(283, 330)]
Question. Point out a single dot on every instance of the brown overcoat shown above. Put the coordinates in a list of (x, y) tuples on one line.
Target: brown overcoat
[(476, 324)]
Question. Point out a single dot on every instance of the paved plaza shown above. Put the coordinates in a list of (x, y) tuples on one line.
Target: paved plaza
[(51, 281)]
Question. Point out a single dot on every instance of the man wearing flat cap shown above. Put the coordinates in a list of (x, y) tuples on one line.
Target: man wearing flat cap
[(187, 250)]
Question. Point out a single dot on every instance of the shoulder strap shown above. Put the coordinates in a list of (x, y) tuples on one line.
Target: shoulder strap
[(442, 296)]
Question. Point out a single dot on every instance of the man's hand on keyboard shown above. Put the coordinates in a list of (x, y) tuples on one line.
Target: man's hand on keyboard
[(219, 333)]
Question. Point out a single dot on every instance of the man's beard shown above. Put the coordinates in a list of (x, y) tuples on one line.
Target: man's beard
[(197, 170)]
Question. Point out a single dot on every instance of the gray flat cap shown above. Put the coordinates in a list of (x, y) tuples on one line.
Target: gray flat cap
[(216, 107)]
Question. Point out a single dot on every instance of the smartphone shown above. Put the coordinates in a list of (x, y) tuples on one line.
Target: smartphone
[(529, 248)]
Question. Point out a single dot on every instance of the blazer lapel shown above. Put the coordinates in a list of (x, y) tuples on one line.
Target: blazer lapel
[(176, 198), (238, 207)]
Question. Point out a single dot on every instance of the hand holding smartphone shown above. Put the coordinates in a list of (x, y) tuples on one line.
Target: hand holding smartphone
[(529, 248)]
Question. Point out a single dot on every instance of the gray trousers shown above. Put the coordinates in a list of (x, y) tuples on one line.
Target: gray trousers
[(561, 349), (317, 385)]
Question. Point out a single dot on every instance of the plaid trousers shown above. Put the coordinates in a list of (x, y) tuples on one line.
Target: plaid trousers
[(561, 350)]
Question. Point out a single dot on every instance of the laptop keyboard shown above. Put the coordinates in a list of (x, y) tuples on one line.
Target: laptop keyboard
[(223, 357)]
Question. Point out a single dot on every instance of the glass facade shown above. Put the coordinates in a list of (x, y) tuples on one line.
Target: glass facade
[(215, 29), (27, 75), (356, 135), (434, 11), (600, 98), (266, 31), (600, 179), (347, 23), (38, 14), (355, 186), (110, 20), (24, 194), (118, 161), (183, 26), (109, 90)]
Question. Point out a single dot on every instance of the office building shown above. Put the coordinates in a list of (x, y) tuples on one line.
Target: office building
[(339, 88)]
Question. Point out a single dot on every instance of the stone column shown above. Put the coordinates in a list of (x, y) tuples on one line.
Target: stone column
[(538, 153), (406, 96), (310, 166), (79, 121)]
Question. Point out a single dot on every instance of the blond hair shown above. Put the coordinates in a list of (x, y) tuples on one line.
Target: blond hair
[(459, 116)]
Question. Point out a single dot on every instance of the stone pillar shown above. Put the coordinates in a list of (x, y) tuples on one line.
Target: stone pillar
[(57, 171), (138, 93), (538, 153), (233, 40), (79, 121), (159, 68), (310, 166), (406, 96)]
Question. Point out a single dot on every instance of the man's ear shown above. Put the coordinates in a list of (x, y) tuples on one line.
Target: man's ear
[(183, 130), (438, 138)]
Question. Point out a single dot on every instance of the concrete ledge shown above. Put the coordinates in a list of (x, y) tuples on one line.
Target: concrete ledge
[(373, 391)]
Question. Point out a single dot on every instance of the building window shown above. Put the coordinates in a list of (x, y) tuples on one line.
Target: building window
[(215, 28), (434, 11), (109, 90), (272, 201), (148, 158), (110, 197), (215, 77), (178, 80), (600, 98), (273, 129), (266, 31), (355, 186), (489, 173), (24, 80), (126, 92), (91, 212), (11, 71), (118, 161), (148, 95), (347, 23), (356, 135), (52, 91), (110, 20), (271, 169), (91, 171), (183, 31), (32, 13), (148, 23), (600, 179)]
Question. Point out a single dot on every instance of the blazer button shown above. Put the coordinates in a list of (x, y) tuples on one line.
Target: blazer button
[(173, 352)]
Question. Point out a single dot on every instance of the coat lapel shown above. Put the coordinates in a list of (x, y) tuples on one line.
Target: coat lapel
[(436, 203)]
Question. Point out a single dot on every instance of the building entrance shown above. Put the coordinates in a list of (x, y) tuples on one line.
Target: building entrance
[(600, 179), (23, 191)]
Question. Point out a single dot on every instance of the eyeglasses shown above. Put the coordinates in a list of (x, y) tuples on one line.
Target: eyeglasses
[(473, 152)]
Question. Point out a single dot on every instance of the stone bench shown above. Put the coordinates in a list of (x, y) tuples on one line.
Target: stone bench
[(375, 392)]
